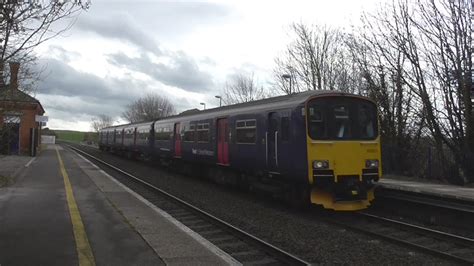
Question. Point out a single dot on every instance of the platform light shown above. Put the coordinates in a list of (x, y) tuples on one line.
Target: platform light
[(289, 78), (220, 100)]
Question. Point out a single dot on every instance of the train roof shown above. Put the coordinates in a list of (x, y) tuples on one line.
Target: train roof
[(278, 102), (139, 124)]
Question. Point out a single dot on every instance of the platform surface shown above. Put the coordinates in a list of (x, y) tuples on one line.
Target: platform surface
[(39, 225), (440, 190)]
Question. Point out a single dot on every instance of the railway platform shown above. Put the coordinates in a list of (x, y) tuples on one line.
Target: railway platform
[(438, 190), (63, 210)]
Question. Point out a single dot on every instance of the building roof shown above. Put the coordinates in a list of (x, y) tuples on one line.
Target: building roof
[(14, 95)]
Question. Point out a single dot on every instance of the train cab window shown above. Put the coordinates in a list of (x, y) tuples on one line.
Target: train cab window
[(342, 118), (342, 123), (189, 133), (246, 131), (203, 132), (366, 121), (285, 128), (317, 123)]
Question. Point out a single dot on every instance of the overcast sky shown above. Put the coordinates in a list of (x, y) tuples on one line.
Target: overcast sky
[(184, 50)]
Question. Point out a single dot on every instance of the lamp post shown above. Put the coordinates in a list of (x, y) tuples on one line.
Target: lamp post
[(288, 77), (220, 100), (203, 105)]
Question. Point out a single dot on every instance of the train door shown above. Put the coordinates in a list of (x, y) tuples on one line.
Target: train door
[(135, 133), (177, 140), (223, 141), (272, 142)]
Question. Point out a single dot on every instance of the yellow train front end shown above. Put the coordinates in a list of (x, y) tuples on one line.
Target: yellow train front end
[(343, 146)]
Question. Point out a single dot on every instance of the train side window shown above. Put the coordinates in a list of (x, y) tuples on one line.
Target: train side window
[(285, 128), (143, 133), (163, 133), (246, 131), (128, 133), (203, 132), (189, 133)]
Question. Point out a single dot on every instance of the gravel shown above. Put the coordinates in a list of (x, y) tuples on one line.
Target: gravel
[(304, 234)]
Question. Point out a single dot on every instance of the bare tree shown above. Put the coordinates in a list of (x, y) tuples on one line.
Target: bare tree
[(26, 24), (381, 70), (434, 41), (147, 108), (317, 59), (242, 88), (101, 121)]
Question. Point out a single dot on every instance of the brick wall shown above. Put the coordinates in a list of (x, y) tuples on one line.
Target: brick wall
[(27, 121)]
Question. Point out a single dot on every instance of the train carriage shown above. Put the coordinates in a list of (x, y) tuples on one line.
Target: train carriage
[(144, 139), (106, 138), (163, 144), (323, 146)]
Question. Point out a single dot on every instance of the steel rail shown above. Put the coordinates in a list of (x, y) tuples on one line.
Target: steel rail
[(437, 233), (267, 247), (457, 242), (454, 204)]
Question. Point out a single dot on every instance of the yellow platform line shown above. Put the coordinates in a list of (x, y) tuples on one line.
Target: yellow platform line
[(83, 247)]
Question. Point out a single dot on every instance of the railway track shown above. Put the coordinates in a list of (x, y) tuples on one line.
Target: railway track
[(244, 248), (451, 204), (240, 245), (445, 245)]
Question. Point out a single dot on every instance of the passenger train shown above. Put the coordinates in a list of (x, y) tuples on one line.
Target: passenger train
[(321, 147)]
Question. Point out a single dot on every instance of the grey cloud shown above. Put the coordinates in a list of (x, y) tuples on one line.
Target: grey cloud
[(68, 94), (208, 61), (63, 54), (141, 23), (166, 19), (109, 95), (119, 26), (182, 70)]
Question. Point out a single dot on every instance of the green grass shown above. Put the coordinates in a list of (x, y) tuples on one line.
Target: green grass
[(74, 136), (4, 181)]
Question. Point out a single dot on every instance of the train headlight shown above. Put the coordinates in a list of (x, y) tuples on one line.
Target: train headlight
[(321, 164), (372, 164)]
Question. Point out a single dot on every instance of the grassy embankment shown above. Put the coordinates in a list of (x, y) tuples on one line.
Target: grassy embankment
[(75, 136), (4, 181)]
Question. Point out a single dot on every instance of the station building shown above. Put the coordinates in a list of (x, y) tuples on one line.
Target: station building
[(19, 130)]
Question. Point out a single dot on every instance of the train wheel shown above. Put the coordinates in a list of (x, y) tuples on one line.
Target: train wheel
[(299, 197), (244, 182)]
